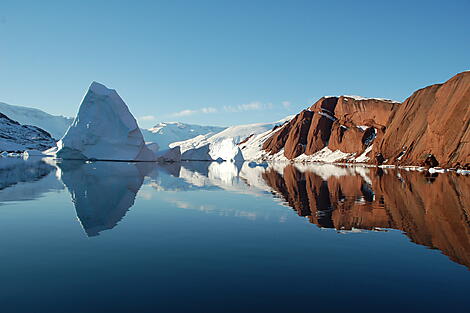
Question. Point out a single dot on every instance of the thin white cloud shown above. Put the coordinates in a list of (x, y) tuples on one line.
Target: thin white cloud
[(147, 118), (208, 110), (252, 106), (286, 104), (188, 112), (185, 113)]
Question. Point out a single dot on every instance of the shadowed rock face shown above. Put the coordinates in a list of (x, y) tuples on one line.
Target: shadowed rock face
[(434, 120), (431, 211), (292, 137)]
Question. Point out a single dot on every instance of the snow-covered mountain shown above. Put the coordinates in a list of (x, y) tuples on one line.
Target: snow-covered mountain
[(15, 137), (166, 133), (226, 144), (53, 124)]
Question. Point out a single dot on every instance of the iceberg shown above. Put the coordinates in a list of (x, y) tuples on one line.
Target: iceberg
[(104, 129), (226, 150)]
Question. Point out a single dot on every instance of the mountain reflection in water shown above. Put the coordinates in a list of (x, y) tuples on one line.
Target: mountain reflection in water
[(433, 211)]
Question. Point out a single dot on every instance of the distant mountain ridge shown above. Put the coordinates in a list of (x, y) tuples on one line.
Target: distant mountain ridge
[(53, 124), (166, 133), (15, 137)]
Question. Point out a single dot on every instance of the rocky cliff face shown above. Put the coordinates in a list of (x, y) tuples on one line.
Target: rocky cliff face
[(434, 121), (346, 123), (431, 128)]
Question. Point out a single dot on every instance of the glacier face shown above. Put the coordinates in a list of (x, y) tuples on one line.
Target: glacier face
[(104, 129)]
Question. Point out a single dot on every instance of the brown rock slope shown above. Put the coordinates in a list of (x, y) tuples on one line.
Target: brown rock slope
[(349, 124), (434, 120), (432, 127)]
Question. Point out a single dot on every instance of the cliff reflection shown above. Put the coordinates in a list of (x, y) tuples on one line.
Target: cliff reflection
[(434, 212), (102, 192)]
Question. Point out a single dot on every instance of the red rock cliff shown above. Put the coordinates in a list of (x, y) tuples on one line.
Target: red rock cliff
[(431, 127), (434, 120), (332, 122)]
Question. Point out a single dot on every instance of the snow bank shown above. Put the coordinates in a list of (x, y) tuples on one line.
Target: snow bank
[(168, 132), (104, 129)]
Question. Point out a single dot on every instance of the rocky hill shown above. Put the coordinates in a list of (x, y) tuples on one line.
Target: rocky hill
[(349, 124), (53, 124), (431, 128), (15, 137)]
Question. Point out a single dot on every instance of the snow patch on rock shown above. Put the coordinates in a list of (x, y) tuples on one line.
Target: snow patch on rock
[(359, 98)]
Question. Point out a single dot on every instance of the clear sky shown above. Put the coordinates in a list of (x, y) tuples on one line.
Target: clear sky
[(226, 62)]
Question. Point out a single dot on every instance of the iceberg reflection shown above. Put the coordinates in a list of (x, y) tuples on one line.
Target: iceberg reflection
[(102, 192)]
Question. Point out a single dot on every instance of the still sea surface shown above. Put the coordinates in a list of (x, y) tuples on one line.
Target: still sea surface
[(224, 237)]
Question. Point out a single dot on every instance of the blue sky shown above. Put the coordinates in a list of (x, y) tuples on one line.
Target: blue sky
[(226, 62)]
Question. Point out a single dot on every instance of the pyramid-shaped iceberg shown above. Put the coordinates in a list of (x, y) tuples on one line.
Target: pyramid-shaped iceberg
[(104, 129)]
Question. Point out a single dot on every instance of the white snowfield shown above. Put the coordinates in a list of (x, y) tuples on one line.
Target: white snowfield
[(166, 133), (104, 129), (225, 144), (55, 125)]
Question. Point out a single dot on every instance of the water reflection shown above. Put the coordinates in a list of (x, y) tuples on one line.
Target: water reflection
[(432, 212), (26, 179), (102, 192)]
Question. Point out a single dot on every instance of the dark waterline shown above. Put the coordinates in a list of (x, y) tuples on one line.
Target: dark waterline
[(211, 237)]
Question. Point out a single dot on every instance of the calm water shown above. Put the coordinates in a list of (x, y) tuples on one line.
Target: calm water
[(209, 237)]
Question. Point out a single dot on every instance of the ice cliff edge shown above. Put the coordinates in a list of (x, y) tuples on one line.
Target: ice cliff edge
[(104, 129)]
